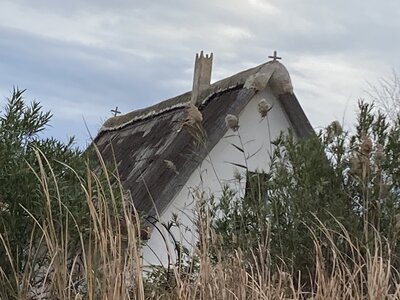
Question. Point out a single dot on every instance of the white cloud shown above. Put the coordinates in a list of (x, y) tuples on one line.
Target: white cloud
[(263, 6), (232, 32), (328, 85)]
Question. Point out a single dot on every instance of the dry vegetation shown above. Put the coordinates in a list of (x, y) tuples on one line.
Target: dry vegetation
[(107, 265)]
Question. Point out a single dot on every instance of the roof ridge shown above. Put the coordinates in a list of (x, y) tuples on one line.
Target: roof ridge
[(180, 101)]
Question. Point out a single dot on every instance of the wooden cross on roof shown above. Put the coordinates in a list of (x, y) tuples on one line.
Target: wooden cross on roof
[(115, 111), (275, 57)]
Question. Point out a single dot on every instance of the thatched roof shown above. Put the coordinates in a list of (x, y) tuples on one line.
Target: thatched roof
[(143, 140)]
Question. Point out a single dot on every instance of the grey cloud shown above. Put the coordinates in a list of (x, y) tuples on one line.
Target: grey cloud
[(133, 53), (50, 64), (69, 77)]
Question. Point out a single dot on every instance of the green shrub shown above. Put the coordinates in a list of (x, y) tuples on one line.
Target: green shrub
[(20, 189), (333, 181)]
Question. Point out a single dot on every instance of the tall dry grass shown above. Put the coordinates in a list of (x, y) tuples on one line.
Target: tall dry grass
[(103, 263), (106, 261)]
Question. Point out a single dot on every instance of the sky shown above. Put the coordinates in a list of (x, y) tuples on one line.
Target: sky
[(82, 58)]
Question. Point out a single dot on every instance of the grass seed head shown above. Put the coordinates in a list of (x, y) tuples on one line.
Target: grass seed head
[(232, 122), (236, 175), (366, 145), (378, 153), (263, 108), (193, 114), (335, 128), (171, 166)]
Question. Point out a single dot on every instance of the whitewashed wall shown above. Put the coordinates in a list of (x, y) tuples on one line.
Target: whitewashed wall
[(217, 170)]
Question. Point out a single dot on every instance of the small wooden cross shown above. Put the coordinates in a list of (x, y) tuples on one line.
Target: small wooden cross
[(275, 57), (115, 111)]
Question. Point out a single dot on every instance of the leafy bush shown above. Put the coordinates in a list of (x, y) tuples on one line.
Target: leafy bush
[(22, 197), (333, 181)]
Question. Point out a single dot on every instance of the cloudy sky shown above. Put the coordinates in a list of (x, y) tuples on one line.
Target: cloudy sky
[(81, 58)]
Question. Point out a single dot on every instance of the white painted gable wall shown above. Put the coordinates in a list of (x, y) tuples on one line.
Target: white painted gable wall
[(216, 171)]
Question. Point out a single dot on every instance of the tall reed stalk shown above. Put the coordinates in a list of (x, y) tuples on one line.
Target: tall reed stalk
[(105, 260)]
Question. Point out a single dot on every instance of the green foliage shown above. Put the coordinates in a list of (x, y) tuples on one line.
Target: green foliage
[(20, 189), (331, 181)]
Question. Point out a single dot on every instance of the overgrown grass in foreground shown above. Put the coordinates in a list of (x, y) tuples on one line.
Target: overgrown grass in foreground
[(106, 263)]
